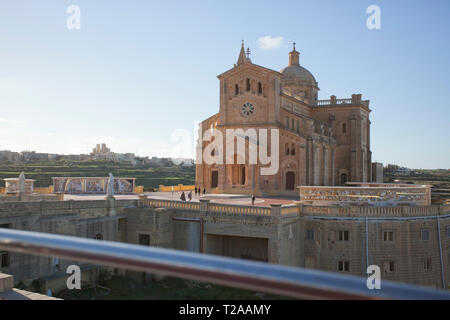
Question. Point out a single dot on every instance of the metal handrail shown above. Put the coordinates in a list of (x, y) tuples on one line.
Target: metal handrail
[(244, 274)]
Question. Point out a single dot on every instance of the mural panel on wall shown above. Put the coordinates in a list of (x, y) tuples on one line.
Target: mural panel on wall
[(74, 185), (91, 185), (95, 186)]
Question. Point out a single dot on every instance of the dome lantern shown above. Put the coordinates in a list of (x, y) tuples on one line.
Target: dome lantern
[(294, 57)]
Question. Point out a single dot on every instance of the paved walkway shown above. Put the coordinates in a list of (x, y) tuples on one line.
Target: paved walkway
[(98, 196), (225, 198)]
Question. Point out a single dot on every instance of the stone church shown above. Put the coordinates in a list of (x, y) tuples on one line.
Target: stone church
[(321, 142)]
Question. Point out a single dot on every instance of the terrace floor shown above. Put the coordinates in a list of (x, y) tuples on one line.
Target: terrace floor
[(215, 198)]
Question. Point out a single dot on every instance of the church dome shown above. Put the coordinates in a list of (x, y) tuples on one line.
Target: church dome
[(294, 71), (297, 72)]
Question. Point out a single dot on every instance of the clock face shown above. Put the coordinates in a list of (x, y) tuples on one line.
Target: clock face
[(247, 109)]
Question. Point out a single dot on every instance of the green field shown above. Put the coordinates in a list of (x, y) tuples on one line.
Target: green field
[(123, 288), (438, 178), (147, 176)]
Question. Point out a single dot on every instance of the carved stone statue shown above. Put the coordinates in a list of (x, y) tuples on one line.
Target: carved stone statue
[(22, 182), (110, 189)]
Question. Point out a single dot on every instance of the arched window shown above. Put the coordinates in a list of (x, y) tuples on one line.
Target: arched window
[(236, 89), (344, 128), (286, 147), (292, 124), (248, 84), (298, 125), (292, 149), (259, 88)]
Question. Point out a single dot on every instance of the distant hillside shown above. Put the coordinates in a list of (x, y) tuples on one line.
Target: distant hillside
[(438, 178), (147, 176)]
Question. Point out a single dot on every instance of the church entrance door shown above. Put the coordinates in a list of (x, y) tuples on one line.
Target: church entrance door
[(243, 175), (344, 179), (290, 180), (214, 179)]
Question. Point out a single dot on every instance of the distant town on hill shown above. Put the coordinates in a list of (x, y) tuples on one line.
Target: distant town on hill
[(150, 172), (100, 152)]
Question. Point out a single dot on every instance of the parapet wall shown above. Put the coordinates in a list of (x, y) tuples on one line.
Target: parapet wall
[(28, 197), (301, 208), (360, 211), (180, 187)]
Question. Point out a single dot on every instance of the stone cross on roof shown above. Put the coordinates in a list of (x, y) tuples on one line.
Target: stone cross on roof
[(110, 189)]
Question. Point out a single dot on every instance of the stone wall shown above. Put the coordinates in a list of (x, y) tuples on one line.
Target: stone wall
[(403, 240), (28, 197), (323, 237), (221, 223), (406, 253), (88, 219)]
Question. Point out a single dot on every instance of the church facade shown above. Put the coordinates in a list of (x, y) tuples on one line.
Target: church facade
[(320, 142)]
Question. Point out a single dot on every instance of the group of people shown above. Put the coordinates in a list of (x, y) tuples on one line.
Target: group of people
[(197, 191)]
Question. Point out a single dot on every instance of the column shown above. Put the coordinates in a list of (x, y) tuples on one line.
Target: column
[(333, 166), (316, 164), (325, 166)]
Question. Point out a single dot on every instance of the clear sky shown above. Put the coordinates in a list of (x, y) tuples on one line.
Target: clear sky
[(136, 71)]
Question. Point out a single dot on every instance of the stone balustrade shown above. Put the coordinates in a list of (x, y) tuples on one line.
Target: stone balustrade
[(381, 212), (185, 205), (304, 208), (238, 209), (340, 102), (205, 205)]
